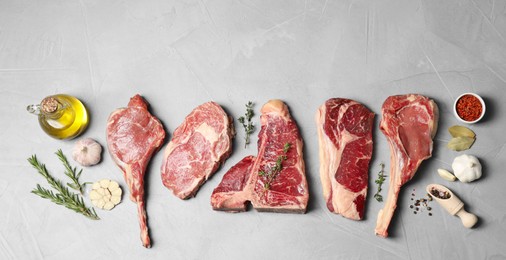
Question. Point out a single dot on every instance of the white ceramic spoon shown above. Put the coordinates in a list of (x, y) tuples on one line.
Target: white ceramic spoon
[(452, 204)]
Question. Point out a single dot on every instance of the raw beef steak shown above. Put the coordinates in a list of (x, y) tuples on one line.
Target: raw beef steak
[(285, 190), (345, 138), (409, 122), (230, 194), (198, 147), (133, 135)]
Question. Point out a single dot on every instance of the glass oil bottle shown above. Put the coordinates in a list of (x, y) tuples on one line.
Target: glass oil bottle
[(61, 116)]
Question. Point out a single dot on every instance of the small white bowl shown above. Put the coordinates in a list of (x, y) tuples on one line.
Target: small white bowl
[(482, 110)]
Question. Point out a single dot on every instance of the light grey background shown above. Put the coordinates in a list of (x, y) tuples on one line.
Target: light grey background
[(179, 54)]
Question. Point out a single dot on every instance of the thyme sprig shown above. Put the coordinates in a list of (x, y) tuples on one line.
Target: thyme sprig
[(379, 181), (72, 173), (63, 195), (273, 172), (245, 120)]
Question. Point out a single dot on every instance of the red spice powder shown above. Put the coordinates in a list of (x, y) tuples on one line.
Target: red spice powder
[(469, 108)]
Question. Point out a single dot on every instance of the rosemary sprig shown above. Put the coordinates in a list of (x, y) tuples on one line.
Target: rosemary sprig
[(246, 122), (63, 196), (273, 172), (71, 173), (379, 181)]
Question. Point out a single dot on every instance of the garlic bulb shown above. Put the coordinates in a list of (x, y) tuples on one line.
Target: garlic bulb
[(87, 152), (467, 168), (105, 194)]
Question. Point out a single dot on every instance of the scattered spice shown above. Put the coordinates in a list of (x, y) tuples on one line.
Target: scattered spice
[(469, 108), (421, 204)]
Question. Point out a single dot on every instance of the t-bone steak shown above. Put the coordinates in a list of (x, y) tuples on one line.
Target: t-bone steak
[(287, 191), (133, 135), (409, 122), (197, 149), (345, 139), (230, 195)]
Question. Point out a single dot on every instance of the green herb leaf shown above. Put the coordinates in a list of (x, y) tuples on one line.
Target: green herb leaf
[(460, 131), (379, 181), (245, 121), (71, 173), (273, 172), (63, 196), (460, 143), (378, 197), (286, 147)]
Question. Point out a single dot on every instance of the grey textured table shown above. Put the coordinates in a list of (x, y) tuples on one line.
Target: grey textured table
[(179, 54)]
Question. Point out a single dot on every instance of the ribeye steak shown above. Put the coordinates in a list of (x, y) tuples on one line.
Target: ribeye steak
[(198, 147), (286, 191), (409, 122), (133, 135), (345, 139)]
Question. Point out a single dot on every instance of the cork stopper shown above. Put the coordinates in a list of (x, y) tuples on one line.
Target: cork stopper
[(49, 105)]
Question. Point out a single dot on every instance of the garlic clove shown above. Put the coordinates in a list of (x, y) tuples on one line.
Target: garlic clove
[(113, 185), (87, 152), (100, 203), (94, 195), (115, 199), (100, 191), (104, 183), (446, 175), (108, 205), (116, 192), (95, 186)]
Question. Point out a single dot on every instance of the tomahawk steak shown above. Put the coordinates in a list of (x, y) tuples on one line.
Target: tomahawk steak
[(345, 138), (133, 135), (409, 122), (197, 149), (285, 190)]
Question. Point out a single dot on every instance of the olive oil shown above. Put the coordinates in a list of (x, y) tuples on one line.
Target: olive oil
[(61, 116)]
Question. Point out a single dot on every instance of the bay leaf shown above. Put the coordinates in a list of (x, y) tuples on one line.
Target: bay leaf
[(459, 131), (460, 143)]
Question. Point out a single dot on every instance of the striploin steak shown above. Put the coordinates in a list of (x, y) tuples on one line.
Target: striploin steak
[(409, 122), (197, 149), (275, 179), (345, 140), (133, 135)]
